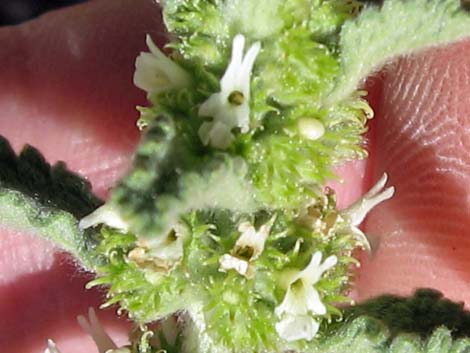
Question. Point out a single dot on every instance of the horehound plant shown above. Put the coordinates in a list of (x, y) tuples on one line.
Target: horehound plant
[(222, 236)]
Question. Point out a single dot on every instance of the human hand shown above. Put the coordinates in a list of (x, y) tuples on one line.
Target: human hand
[(67, 90)]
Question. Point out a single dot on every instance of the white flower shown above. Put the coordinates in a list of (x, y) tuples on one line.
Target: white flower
[(248, 248), (228, 262), (105, 214), (155, 72), (102, 340), (356, 213), (302, 301), (252, 240), (51, 347), (230, 108), (297, 327), (160, 253)]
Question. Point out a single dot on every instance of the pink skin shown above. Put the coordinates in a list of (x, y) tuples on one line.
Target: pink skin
[(66, 88)]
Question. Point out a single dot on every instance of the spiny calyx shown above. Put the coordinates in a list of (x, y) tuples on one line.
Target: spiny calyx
[(216, 265)]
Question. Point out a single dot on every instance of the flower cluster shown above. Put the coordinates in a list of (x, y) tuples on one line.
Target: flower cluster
[(272, 270), (262, 274), (222, 218)]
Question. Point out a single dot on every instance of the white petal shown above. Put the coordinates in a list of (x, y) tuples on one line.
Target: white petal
[(253, 239), (152, 46), (362, 238), (228, 262), (51, 347), (358, 210), (294, 302), (144, 75), (105, 214), (314, 270), (293, 328), (313, 301), (228, 81), (212, 105), (164, 252), (155, 72), (311, 274), (220, 135), (379, 185), (242, 117), (244, 75), (246, 228), (266, 227), (235, 78), (329, 262), (248, 235), (93, 327), (232, 116), (171, 251), (167, 67)]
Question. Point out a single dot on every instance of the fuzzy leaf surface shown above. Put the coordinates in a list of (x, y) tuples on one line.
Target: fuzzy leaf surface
[(45, 200), (52, 186), (398, 27), (171, 177)]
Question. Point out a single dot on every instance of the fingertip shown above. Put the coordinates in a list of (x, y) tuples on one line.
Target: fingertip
[(422, 145)]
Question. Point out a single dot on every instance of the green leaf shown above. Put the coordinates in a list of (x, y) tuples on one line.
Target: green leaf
[(27, 214), (51, 186), (46, 201), (398, 27), (422, 323), (170, 176), (420, 314)]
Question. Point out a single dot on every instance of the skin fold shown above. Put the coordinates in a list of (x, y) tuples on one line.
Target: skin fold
[(66, 88)]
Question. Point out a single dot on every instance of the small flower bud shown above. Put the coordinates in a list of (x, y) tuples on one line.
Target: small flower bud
[(311, 129)]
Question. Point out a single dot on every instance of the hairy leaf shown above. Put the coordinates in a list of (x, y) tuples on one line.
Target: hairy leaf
[(170, 177), (398, 27), (52, 186), (26, 214), (45, 201)]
